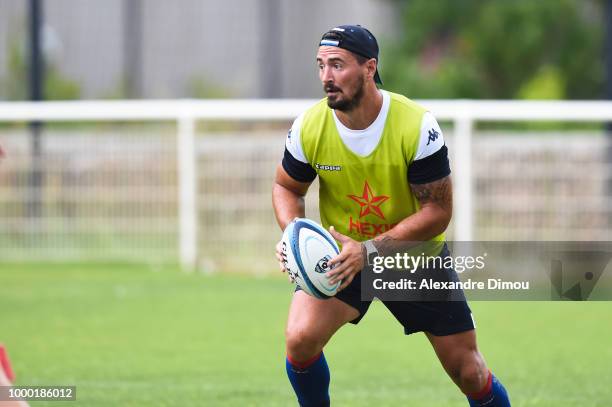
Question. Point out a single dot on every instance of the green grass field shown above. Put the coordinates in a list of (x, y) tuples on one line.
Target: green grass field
[(134, 336)]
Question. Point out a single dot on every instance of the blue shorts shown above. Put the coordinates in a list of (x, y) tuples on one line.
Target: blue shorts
[(438, 318)]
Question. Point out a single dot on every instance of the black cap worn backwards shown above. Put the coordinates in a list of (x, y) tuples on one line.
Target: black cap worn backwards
[(356, 39)]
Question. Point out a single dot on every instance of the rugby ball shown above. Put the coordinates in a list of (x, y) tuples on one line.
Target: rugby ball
[(306, 250)]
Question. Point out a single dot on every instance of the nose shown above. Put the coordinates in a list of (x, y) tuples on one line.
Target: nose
[(326, 75)]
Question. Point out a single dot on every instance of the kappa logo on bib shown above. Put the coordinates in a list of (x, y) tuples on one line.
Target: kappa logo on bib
[(369, 203), (326, 167)]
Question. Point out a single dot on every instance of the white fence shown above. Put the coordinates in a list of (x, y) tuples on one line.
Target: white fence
[(198, 171)]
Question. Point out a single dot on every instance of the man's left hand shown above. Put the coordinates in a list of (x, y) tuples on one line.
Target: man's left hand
[(348, 263)]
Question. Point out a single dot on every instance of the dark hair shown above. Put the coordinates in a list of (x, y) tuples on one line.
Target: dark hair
[(332, 35), (361, 59), (335, 36)]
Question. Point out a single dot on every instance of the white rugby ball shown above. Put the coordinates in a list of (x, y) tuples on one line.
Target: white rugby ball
[(307, 248)]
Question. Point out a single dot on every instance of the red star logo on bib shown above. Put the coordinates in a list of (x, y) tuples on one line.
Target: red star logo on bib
[(368, 202)]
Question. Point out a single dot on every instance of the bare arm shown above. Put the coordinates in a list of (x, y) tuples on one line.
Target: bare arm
[(288, 201), (288, 197)]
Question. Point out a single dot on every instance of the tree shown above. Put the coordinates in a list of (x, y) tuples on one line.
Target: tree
[(498, 49)]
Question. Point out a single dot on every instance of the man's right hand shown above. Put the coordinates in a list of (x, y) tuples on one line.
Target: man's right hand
[(280, 256)]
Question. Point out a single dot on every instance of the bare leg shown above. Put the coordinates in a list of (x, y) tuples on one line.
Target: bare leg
[(312, 322), (461, 359), (310, 325)]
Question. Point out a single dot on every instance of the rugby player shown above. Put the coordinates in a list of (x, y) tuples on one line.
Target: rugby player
[(384, 178)]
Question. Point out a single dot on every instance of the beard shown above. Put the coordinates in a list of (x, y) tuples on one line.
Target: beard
[(346, 105)]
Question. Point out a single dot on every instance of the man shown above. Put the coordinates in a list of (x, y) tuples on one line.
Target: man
[(384, 179)]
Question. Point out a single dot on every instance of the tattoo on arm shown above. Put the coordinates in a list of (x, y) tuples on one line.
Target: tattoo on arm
[(438, 192)]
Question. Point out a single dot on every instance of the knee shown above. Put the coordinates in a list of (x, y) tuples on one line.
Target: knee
[(472, 374), (301, 344)]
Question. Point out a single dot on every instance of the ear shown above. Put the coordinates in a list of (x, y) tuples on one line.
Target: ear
[(371, 67)]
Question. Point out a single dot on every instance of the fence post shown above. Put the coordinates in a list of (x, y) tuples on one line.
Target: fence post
[(188, 217), (463, 191)]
